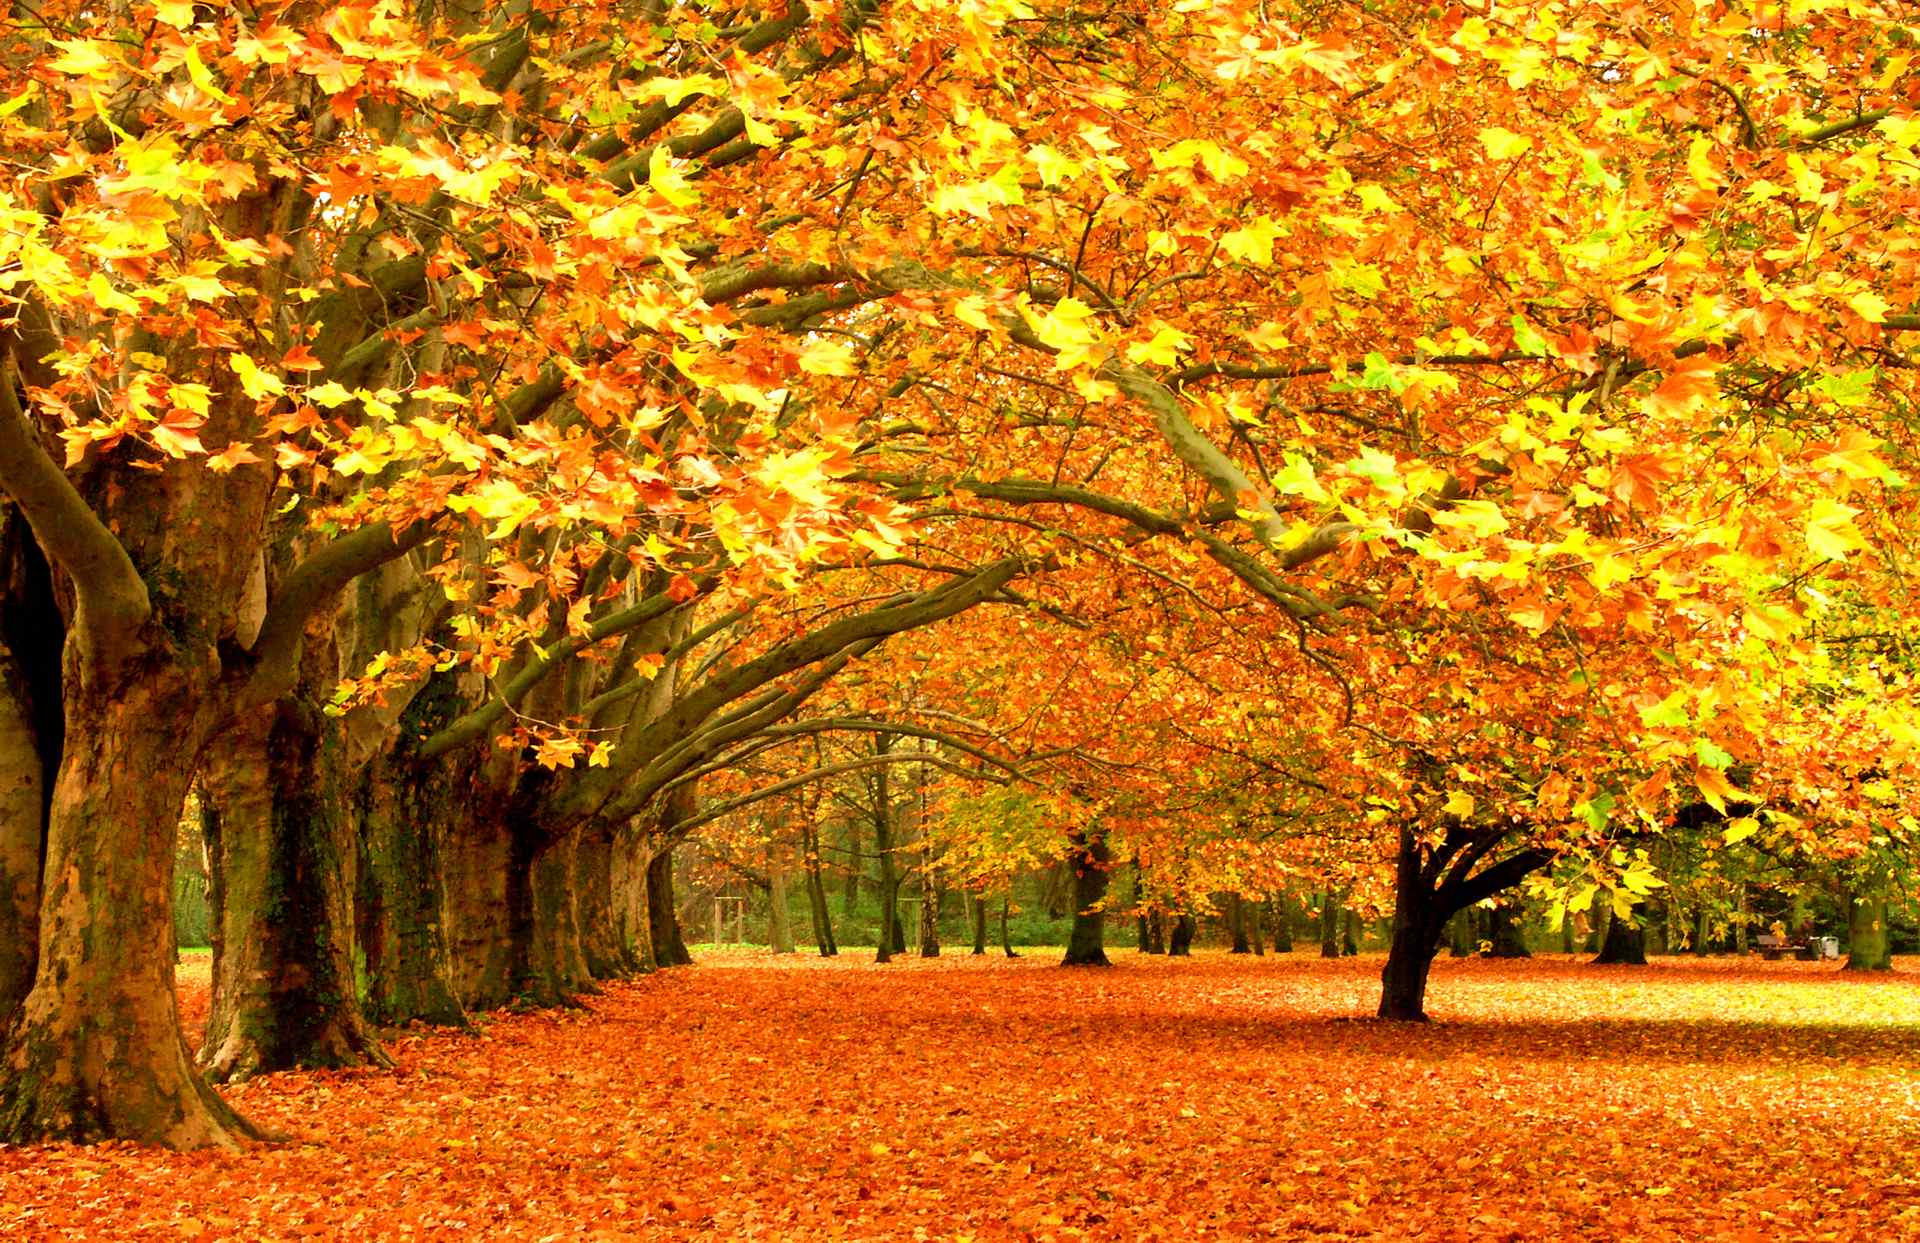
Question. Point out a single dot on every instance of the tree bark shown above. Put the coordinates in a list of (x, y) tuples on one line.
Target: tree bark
[(1350, 934), (1006, 939), (817, 891), (22, 838), (406, 806), (1282, 917), (1237, 924), (604, 936), (668, 945), (31, 727), (1868, 948), (892, 941), (1090, 859), (1504, 933), (1180, 941), (282, 848), (977, 913), (779, 918), (95, 1052), (1329, 925), (1625, 944)]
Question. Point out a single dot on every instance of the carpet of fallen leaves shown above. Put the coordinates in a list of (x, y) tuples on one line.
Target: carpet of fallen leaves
[(956, 1098)]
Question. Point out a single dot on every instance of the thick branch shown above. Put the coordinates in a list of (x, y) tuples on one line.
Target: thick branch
[(113, 600)]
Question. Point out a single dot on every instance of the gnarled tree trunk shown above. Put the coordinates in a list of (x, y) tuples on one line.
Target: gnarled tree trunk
[(408, 809), (95, 1052)]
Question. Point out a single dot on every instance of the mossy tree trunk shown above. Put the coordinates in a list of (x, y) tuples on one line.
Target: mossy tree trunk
[(31, 725), (1868, 948), (407, 809), (282, 848)]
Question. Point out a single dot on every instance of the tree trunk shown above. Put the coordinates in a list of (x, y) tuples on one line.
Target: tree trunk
[(1350, 934), (1090, 860), (1504, 933), (1250, 914), (779, 918), (1157, 932), (1180, 941), (405, 808), (1006, 939), (1868, 948), (1237, 924), (1625, 945), (932, 901), (95, 1052), (817, 891), (668, 945), (1419, 919), (22, 837), (892, 940), (1282, 917), (603, 931), (630, 856), (850, 894), (977, 912), (1329, 925), (1462, 939), (31, 725), (283, 849)]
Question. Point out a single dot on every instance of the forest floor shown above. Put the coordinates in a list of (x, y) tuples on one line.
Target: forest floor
[(961, 1098)]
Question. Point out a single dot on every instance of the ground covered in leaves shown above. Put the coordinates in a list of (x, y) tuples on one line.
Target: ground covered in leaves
[(979, 1098)]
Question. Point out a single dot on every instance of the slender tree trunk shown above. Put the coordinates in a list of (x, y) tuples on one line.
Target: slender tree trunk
[(856, 865), (1251, 913), (1700, 929), (891, 939), (977, 912), (283, 852), (1350, 934), (817, 890), (1868, 948), (1237, 924), (1461, 939), (1625, 944), (1157, 932), (95, 1052), (1090, 859), (1329, 925), (1006, 939), (1282, 918), (779, 918), (1180, 941)]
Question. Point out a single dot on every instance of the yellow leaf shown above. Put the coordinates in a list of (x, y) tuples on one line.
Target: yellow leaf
[(81, 58), (1830, 531), (1739, 830), (1253, 243), (825, 356), (667, 180), (197, 70), (1162, 350), (1459, 804), (1870, 306), (107, 298), (1503, 144)]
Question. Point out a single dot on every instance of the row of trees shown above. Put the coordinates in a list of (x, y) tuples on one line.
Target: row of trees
[(482, 446)]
